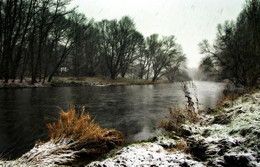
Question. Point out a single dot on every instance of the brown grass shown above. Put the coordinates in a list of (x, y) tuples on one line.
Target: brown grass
[(182, 146), (87, 136), (178, 117), (175, 120), (231, 95)]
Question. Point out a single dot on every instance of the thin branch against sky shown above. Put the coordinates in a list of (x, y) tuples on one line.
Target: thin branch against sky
[(190, 21)]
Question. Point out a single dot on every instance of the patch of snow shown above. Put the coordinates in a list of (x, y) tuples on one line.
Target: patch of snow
[(147, 154)]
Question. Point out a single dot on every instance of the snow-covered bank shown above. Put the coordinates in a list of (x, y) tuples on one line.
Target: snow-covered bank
[(157, 153), (232, 138)]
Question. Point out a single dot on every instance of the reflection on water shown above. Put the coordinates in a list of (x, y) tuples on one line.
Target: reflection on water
[(134, 110)]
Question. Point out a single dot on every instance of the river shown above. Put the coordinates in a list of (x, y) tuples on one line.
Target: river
[(134, 110)]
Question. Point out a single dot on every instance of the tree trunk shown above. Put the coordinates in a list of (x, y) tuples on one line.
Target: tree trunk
[(113, 76), (154, 79)]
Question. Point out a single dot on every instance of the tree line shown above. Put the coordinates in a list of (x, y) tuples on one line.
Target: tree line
[(41, 39), (235, 54)]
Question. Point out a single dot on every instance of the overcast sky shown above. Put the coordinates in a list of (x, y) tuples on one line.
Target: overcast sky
[(190, 21)]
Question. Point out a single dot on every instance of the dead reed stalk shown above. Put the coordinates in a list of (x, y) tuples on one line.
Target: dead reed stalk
[(179, 116)]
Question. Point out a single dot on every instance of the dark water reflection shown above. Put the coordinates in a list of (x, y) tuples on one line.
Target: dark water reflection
[(134, 110)]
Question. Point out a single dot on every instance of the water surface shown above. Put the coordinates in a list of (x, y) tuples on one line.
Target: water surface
[(134, 110)]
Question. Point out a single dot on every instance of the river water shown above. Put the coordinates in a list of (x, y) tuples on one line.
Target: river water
[(134, 110)]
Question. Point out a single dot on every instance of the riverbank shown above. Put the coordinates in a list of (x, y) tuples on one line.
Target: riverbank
[(26, 83), (79, 82), (226, 136), (101, 81)]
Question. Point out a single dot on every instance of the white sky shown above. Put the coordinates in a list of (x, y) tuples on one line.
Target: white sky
[(190, 21)]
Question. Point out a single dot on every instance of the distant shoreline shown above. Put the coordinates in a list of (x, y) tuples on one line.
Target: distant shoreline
[(78, 82)]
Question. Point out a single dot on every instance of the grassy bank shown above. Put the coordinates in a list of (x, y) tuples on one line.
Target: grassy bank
[(225, 136), (79, 81), (26, 83), (101, 81)]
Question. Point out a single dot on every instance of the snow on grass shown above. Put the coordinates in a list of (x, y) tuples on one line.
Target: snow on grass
[(229, 140), (147, 154)]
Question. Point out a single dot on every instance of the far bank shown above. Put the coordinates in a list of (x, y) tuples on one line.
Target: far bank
[(80, 81)]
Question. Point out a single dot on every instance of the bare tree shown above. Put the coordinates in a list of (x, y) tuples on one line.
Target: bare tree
[(235, 54), (130, 41), (15, 20), (118, 44), (162, 53), (177, 67), (49, 12), (143, 61)]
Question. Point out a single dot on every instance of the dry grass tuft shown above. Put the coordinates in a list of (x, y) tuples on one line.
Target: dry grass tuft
[(182, 146), (178, 117), (231, 95), (88, 138), (80, 127), (175, 120)]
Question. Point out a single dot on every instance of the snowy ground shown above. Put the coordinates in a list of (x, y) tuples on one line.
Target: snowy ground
[(235, 141), (148, 154)]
